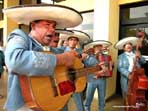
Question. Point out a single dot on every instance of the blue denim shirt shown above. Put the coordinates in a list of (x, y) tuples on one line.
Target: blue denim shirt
[(23, 56), (79, 50), (123, 65), (88, 62)]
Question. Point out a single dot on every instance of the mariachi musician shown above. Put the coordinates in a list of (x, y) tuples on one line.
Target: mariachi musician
[(98, 80), (127, 61), (24, 52), (74, 40)]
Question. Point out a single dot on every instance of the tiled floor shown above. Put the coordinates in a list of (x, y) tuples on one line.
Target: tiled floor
[(110, 103)]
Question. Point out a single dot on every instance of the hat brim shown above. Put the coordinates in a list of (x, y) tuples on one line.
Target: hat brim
[(98, 42), (82, 36), (119, 45), (64, 31), (65, 17)]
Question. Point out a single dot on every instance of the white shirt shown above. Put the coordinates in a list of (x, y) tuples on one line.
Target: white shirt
[(131, 57)]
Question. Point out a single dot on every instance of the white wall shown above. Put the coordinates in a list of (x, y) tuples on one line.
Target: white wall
[(101, 20)]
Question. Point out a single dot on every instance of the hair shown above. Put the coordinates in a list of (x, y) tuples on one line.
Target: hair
[(126, 44), (73, 37), (97, 45), (36, 21), (57, 34)]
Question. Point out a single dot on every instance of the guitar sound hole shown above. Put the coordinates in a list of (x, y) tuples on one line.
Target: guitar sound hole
[(71, 74)]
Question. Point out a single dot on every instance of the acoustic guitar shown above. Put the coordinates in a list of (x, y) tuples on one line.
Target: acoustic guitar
[(43, 93)]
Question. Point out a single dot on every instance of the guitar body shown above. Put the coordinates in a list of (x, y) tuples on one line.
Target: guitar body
[(80, 82), (38, 91)]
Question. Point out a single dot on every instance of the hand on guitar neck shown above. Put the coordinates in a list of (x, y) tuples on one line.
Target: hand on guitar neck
[(104, 70), (67, 58), (130, 76), (137, 54)]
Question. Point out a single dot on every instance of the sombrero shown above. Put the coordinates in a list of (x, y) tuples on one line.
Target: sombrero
[(82, 36), (119, 45), (104, 43), (64, 31), (65, 17)]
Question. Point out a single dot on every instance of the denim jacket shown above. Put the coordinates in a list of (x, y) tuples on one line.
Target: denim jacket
[(79, 50), (88, 62), (23, 56), (123, 66)]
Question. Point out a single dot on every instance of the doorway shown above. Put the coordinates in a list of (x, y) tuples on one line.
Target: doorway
[(133, 18)]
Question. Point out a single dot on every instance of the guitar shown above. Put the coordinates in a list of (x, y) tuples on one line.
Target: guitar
[(40, 94)]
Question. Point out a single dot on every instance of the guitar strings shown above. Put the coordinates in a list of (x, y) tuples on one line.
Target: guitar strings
[(81, 71)]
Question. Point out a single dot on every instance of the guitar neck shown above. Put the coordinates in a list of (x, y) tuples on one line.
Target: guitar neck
[(88, 70)]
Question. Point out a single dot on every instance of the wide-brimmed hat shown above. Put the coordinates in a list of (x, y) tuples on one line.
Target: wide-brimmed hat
[(64, 31), (104, 43), (82, 36), (64, 16), (119, 45)]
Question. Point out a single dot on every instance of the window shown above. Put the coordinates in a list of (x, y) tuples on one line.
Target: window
[(87, 24)]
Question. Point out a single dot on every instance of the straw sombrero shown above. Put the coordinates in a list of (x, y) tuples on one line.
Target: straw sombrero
[(82, 36), (64, 31), (104, 43), (119, 45), (65, 17)]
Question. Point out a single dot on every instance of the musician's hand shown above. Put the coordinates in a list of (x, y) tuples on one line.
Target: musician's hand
[(102, 72), (103, 66), (84, 56), (66, 58), (138, 54), (102, 63), (99, 73), (130, 76), (105, 69)]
